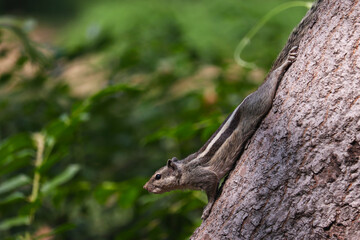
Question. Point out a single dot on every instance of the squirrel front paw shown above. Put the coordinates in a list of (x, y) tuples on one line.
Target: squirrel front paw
[(293, 54), (206, 212)]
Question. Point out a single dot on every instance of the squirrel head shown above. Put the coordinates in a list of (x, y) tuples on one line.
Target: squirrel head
[(166, 178)]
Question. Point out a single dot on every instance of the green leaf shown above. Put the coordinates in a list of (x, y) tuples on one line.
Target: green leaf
[(14, 165), (56, 128), (13, 222), (15, 143), (62, 178), (14, 183), (13, 197), (127, 192), (61, 153), (128, 197), (86, 104)]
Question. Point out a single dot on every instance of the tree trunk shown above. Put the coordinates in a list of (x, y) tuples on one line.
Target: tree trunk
[(299, 176)]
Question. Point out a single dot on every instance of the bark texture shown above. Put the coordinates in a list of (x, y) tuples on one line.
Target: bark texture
[(299, 177)]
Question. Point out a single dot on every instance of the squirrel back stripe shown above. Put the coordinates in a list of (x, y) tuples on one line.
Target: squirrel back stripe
[(220, 137)]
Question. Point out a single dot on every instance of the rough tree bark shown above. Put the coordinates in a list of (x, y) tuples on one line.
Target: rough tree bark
[(299, 177)]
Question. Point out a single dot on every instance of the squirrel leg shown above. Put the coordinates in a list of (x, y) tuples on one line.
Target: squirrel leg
[(210, 190)]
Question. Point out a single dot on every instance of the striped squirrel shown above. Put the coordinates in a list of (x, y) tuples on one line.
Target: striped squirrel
[(204, 169)]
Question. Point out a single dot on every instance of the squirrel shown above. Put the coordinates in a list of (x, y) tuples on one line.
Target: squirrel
[(204, 169)]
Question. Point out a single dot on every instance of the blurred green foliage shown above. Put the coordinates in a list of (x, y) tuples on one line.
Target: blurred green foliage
[(76, 165)]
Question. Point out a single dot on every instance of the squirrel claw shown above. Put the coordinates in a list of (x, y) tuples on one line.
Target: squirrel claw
[(293, 54), (206, 213)]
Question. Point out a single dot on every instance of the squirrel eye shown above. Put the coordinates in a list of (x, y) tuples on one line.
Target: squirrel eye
[(158, 176)]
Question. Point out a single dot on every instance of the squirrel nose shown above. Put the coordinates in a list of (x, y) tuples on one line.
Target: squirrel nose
[(145, 186)]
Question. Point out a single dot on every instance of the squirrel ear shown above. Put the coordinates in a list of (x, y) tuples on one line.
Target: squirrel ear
[(172, 164)]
